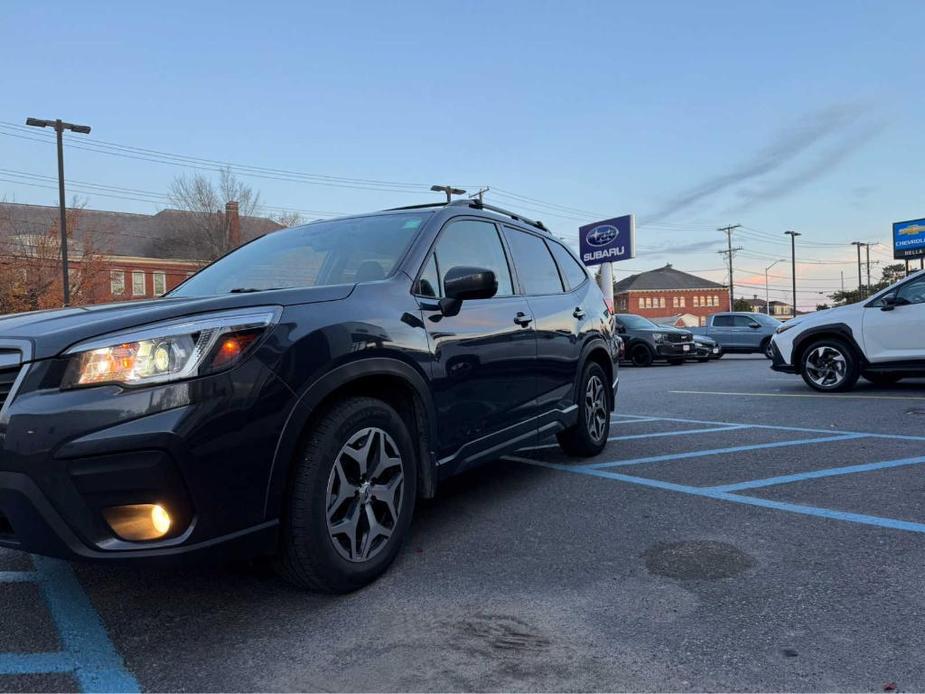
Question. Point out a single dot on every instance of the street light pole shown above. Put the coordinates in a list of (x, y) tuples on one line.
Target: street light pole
[(60, 126), (767, 292), (793, 265)]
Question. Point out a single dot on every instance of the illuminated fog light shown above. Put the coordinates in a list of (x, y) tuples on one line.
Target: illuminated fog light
[(138, 521)]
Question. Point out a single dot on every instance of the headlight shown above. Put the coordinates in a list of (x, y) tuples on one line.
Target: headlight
[(168, 351), (658, 337)]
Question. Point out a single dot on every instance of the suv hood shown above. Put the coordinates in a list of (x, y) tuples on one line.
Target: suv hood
[(51, 332)]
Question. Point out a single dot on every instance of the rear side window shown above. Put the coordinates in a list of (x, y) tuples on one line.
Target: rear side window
[(474, 244), (571, 270), (535, 267), (722, 321)]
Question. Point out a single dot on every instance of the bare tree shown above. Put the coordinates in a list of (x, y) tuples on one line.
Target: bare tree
[(288, 219), (203, 233), (30, 263)]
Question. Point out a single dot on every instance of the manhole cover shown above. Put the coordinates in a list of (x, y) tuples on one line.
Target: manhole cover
[(696, 560)]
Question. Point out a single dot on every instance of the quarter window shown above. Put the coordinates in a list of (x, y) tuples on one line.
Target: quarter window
[(429, 282), (475, 244), (572, 271), (537, 270)]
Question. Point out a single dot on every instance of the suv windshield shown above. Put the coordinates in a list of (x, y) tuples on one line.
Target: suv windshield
[(634, 322), (361, 249)]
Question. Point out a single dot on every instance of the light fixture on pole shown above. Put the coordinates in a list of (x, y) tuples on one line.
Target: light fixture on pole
[(767, 291), (449, 190), (793, 265), (60, 126)]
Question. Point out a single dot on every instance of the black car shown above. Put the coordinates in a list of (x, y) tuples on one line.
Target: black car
[(295, 397), (706, 348), (648, 342)]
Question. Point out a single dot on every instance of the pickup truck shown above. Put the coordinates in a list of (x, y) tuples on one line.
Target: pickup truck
[(743, 333)]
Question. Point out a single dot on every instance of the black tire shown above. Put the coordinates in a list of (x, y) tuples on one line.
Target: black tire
[(882, 378), (766, 349), (307, 554), (820, 361), (585, 439), (642, 356)]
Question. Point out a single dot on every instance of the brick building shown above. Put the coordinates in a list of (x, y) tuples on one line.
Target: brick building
[(668, 293), (144, 255)]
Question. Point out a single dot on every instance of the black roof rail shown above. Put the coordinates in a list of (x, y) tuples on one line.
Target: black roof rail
[(478, 205), (417, 207)]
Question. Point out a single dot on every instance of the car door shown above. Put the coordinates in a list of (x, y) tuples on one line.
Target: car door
[(747, 332), (897, 333), (483, 358), (557, 315), (722, 330)]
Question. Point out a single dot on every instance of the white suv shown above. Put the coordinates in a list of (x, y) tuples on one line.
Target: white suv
[(881, 339)]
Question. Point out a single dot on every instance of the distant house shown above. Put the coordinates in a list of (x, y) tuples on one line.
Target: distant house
[(659, 294), (678, 320), (145, 255), (779, 309)]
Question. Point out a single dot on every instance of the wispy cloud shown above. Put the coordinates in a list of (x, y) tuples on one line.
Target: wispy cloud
[(812, 147)]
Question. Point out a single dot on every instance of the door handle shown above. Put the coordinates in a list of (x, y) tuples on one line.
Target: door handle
[(578, 313), (522, 319)]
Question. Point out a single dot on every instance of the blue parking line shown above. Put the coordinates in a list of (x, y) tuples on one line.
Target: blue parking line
[(772, 427), (86, 652), (816, 474), (720, 451), (731, 427), (706, 492)]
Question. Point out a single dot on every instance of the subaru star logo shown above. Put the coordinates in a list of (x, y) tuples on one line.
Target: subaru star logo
[(602, 235)]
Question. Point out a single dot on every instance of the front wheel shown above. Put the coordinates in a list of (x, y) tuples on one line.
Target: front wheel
[(642, 356), (767, 350), (351, 498), (829, 365), (588, 436)]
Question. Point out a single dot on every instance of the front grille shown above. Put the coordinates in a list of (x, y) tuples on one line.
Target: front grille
[(680, 337), (7, 379)]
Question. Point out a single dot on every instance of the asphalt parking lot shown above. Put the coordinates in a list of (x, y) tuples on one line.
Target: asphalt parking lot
[(740, 532)]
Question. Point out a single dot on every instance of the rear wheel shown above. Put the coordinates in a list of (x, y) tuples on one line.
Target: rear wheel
[(882, 378), (829, 365), (642, 356), (588, 436), (351, 498)]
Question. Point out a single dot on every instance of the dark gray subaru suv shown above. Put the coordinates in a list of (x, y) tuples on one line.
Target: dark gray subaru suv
[(295, 397)]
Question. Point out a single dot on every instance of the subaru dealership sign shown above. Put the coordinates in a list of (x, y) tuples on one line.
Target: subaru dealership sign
[(608, 241), (909, 239)]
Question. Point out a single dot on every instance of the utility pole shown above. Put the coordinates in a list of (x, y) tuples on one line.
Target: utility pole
[(842, 272), (793, 265), (449, 190), (731, 253), (60, 126), (480, 195), (728, 231), (867, 251), (860, 281)]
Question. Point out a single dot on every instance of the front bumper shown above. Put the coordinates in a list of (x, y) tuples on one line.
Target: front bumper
[(201, 448), (778, 363), (674, 349)]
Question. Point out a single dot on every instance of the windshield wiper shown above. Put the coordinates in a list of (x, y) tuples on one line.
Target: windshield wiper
[(249, 290)]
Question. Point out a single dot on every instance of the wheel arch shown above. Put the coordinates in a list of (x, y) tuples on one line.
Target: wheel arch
[(596, 351), (389, 379), (840, 331)]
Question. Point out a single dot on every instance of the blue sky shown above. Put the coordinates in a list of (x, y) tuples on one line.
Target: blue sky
[(692, 115)]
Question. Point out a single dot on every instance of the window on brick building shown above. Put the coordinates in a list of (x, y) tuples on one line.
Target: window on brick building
[(716, 301), (138, 284), (696, 302), (160, 283), (683, 302), (117, 282)]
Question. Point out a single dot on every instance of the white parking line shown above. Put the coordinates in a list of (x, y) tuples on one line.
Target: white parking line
[(802, 395)]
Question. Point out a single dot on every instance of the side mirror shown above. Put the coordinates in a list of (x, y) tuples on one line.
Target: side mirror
[(891, 301), (621, 329), (754, 326), (462, 283)]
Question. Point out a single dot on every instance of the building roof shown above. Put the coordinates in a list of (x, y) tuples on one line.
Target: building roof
[(663, 278), (755, 301), (122, 233)]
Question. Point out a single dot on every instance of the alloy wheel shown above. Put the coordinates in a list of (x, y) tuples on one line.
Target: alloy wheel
[(364, 494), (826, 366), (595, 408)]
